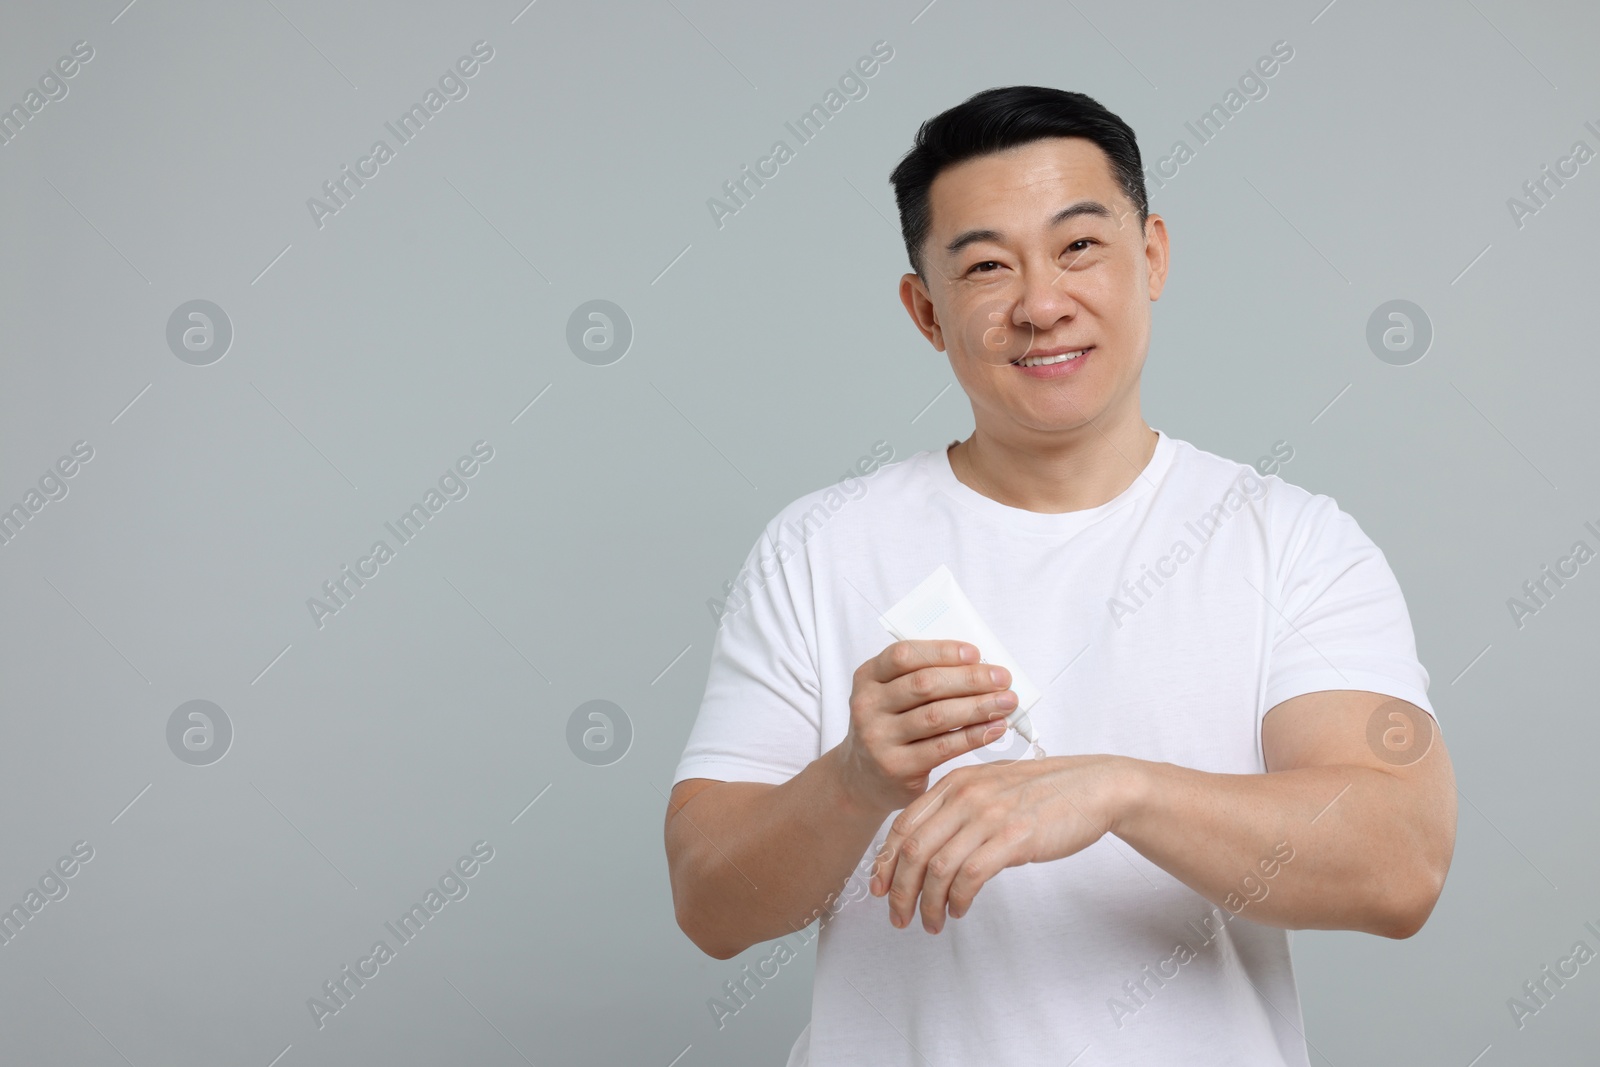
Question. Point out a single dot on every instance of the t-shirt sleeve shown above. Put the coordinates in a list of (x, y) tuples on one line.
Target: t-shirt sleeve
[(1341, 621), (760, 719)]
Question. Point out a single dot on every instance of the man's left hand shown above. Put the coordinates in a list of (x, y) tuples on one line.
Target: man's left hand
[(978, 820)]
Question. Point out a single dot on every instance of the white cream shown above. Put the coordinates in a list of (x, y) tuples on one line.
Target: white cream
[(937, 609)]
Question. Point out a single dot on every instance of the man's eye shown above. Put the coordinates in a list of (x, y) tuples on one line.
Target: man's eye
[(1082, 241), (985, 263)]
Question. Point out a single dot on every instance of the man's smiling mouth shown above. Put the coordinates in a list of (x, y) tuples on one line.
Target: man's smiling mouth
[(1049, 356)]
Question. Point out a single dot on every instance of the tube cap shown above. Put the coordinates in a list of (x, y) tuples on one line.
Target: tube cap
[(1023, 725)]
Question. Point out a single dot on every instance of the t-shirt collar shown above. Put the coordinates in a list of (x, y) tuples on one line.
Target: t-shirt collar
[(936, 468)]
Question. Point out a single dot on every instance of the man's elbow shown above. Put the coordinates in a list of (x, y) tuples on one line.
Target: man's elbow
[(705, 940), (691, 913), (1409, 912), (1432, 847)]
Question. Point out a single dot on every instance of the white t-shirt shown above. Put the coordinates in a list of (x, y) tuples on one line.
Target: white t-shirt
[(1242, 591)]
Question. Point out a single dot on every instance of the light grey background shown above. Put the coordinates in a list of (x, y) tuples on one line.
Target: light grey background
[(768, 354)]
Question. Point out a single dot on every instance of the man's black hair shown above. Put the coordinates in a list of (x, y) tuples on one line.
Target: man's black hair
[(1001, 118)]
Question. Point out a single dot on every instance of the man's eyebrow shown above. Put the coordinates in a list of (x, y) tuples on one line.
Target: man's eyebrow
[(1071, 211)]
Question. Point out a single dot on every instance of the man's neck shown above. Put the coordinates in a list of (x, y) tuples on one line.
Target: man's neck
[(1092, 468)]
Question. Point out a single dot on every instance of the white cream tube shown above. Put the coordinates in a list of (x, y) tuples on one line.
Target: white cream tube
[(938, 609)]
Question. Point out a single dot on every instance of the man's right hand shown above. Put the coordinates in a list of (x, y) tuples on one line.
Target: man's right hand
[(913, 706)]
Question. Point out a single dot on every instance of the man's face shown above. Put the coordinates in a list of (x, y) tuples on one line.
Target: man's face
[(1005, 280)]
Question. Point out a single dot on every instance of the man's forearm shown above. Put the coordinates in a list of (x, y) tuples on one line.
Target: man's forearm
[(752, 861), (1363, 856)]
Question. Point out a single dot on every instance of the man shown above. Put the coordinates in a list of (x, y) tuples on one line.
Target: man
[(1238, 731)]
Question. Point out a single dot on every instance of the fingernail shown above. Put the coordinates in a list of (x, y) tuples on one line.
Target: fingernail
[(997, 675), (993, 733)]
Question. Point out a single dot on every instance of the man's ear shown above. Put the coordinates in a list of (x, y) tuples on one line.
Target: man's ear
[(1156, 251), (914, 295)]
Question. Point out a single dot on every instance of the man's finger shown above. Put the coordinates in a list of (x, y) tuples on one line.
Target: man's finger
[(917, 845), (986, 861), (944, 867), (903, 657), (907, 820), (938, 717), (930, 752)]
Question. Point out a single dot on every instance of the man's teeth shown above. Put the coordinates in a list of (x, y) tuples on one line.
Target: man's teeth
[(1045, 361)]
